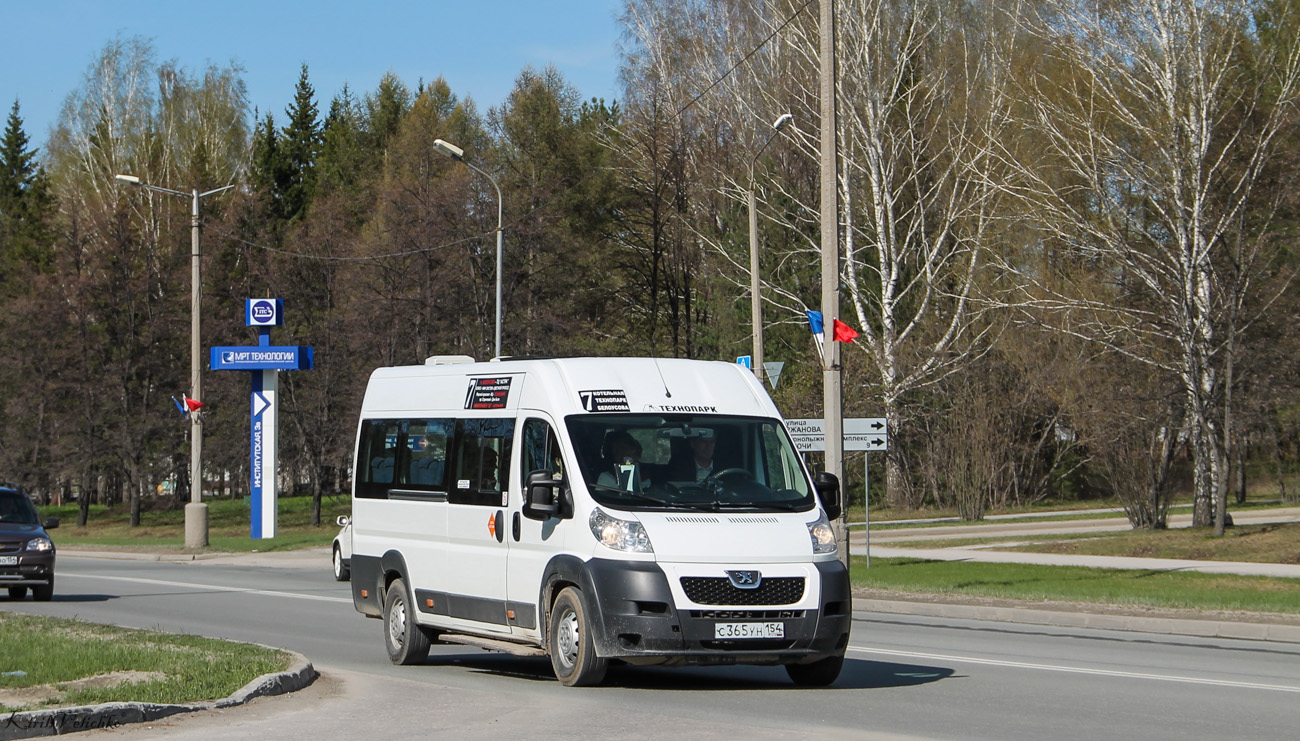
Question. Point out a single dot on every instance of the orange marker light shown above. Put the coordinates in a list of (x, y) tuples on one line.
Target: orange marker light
[(364, 593), (492, 526)]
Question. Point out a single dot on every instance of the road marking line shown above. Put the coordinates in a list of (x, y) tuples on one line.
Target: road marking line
[(210, 587), (1077, 669)]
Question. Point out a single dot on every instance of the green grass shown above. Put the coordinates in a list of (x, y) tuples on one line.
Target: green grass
[(1081, 584), (228, 526), (1270, 543), (54, 650)]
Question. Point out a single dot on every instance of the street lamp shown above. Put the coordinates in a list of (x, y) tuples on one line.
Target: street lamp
[(755, 300), (196, 512), (451, 150)]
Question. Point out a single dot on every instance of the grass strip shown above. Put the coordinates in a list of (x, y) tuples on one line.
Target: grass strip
[(1182, 590), (36, 651), (228, 526)]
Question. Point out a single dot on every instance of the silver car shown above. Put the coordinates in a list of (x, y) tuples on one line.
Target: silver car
[(343, 550)]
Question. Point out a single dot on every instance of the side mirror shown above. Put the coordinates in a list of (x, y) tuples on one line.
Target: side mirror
[(342, 521), (828, 490), (541, 496), (51, 523)]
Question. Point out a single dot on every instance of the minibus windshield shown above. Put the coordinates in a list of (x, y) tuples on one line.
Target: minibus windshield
[(688, 461)]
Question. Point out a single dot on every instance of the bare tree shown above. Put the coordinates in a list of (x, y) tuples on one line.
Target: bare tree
[(1157, 119)]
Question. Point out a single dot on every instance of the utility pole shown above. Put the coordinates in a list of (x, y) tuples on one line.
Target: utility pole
[(830, 207), (196, 512)]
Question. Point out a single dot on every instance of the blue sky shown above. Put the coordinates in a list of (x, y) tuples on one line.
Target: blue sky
[(478, 46)]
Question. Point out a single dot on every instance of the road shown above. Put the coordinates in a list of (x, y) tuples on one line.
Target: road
[(906, 677)]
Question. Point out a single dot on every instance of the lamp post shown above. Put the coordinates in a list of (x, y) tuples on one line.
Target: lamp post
[(451, 150), (755, 299), (196, 512)]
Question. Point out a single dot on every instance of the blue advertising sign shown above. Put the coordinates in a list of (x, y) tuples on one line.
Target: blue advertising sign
[(261, 357), (263, 312)]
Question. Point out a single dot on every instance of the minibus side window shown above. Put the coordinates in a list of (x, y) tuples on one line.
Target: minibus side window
[(424, 465), (377, 457), (482, 459)]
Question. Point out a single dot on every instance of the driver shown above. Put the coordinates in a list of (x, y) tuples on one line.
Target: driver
[(702, 455)]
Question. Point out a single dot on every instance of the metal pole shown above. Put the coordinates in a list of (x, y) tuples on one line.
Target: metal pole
[(755, 299), (196, 512), (833, 411), (500, 224), (866, 504)]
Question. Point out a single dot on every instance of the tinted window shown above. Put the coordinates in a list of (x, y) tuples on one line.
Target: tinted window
[(16, 508), (541, 450), (482, 460), (377, 457)]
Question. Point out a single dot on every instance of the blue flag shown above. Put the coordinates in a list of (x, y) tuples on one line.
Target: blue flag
[(815, 322)]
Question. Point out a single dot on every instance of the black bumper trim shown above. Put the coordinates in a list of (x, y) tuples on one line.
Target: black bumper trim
[(637, 620)]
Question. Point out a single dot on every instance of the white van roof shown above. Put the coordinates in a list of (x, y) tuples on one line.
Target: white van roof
[(566, 386)]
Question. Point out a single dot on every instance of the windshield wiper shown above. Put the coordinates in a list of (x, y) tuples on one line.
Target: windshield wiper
[(706, 506)]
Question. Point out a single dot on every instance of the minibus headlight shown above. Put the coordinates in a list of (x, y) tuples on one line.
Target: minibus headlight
[(620, 535), (823, 538)]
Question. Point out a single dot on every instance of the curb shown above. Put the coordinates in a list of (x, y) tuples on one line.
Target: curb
[(1098, 621), (137, 556), (57, 721)]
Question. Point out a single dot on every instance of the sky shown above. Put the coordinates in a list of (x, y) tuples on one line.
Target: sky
[(478, 46)]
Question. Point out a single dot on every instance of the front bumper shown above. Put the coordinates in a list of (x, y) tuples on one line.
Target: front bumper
[(33, 569), (639, 621)]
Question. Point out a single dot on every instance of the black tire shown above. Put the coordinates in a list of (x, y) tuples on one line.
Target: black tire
[(44, 592), (573, 653), (818, 673), (17, 592), (406, 643), (342, 572)]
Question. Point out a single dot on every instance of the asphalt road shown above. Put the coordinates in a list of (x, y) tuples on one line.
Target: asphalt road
[(906, 677)]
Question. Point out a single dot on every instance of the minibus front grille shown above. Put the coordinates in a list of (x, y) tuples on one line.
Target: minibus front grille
[(747, 614), (718, 590)]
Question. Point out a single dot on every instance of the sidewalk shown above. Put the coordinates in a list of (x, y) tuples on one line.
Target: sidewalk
[(988, 555)]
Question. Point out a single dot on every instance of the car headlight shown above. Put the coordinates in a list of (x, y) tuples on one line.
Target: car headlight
[(40, 544), (621, 535), (823, 537)]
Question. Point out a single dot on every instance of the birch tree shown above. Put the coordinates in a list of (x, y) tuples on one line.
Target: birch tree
[(1155, 142)]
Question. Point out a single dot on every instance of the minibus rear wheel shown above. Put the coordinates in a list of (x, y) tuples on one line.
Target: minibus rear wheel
[(406, 643), (818, 673), (573, 653)]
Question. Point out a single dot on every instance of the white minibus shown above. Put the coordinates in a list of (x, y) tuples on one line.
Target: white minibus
[(644, 510)]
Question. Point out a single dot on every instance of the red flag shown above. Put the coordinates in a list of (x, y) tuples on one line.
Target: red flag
[(192, 404), (843, 332)]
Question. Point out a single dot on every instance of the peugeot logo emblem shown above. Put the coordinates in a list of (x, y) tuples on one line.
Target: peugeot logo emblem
[(745, 579)]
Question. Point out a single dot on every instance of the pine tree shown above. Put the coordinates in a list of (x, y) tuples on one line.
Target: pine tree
[(342, 157), (300, 147), (25, 206)]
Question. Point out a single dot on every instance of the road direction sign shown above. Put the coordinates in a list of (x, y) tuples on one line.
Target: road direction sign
[(860, 433)]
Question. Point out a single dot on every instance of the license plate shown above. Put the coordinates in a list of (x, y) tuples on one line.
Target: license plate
[(749, 630), (8, 560)]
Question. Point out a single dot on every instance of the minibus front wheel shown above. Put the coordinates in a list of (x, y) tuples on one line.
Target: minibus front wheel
[(406, 642), (817, 674), (573, 652)]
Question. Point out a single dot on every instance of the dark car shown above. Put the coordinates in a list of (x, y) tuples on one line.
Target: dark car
[(26, 551)]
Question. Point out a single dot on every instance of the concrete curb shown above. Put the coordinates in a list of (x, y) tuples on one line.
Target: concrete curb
[(136, 556), (57, 721), (1099, 621)]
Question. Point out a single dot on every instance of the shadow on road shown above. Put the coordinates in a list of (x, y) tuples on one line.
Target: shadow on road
[(67, 598), (857, 674)]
